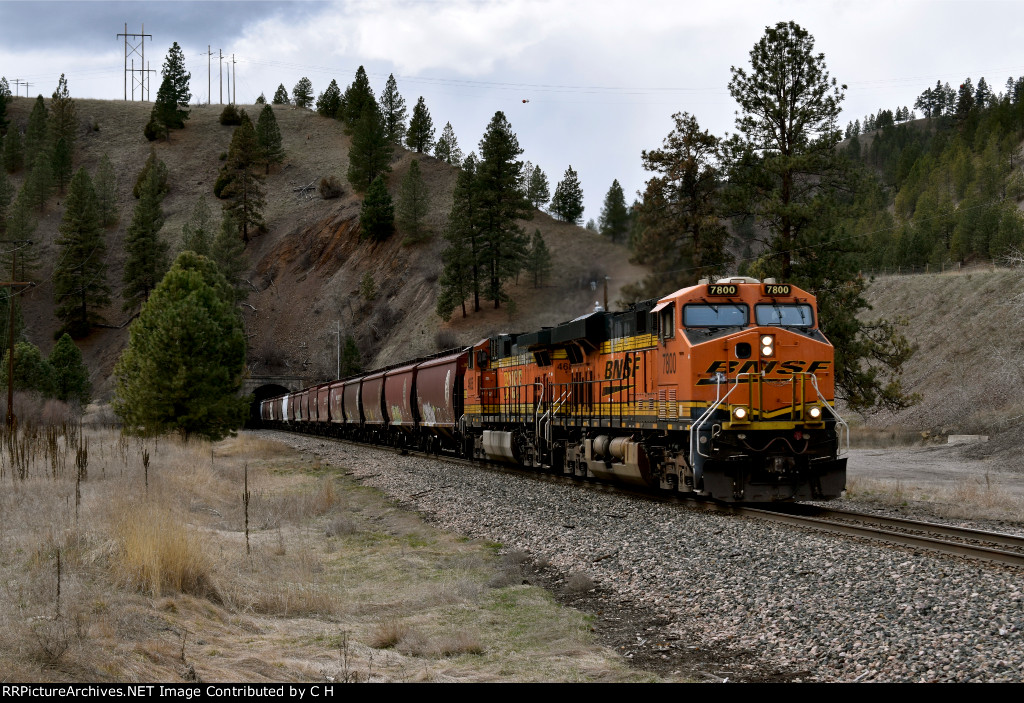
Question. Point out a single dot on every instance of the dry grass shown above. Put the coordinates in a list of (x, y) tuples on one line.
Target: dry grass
[(973, 498), (336, 580)]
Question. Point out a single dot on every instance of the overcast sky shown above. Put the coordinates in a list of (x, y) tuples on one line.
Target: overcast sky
[(601, 77)]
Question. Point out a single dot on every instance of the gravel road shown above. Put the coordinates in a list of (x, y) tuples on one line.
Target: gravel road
[(807, 605)]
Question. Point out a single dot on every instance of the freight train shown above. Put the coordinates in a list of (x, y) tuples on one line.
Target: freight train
[(725, 389)]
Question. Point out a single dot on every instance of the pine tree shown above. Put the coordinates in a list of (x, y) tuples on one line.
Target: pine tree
[(420, 137), (370, 155), (37, 133), (14, 151), (7, 298), (182, 370), (682, 237), (328, 103), (377, 217), (153, 163), (268, 137), (538, 263), (7, 192), (281, 96), (537, 191), (63, 127), (32, 372), (261, 100), (80, 277), (302, 93), (228, 252), (567, 202), (19, 227), (462, 275), (351, 361), (243, 192), (197, 234), (392, 110), (105, 184), (38, 185), (5, 98), (787, 174), (412, 205), (70, 375), (447, 148), (614, 222), (502, 204), (358, 98), (146, 253)]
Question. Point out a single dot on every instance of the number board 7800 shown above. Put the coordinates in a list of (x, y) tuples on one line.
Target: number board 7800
[(723, 289)]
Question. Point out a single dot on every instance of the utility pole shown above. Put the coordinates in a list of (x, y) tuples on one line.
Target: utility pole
[(27, 84), (17, 86), (131, 49), (234, 82), (220, 72), (338, 324), (209, 80), (12, 421)]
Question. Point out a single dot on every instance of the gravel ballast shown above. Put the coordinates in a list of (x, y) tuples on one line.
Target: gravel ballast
[(821, 607)]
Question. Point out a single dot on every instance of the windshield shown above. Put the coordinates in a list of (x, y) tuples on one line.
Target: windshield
[(722, 315), (784, 315)]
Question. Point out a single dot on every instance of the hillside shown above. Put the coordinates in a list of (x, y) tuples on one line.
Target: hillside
[(306, 270), (969, 365)]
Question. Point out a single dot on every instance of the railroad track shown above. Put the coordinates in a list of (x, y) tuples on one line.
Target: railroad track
[(990, 546), (977, 544)]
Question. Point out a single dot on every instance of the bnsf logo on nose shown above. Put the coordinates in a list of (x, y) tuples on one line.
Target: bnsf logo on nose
[(778, 367)]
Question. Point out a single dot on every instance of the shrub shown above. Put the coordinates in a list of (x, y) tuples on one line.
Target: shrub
[(230, 116), (329, 188)]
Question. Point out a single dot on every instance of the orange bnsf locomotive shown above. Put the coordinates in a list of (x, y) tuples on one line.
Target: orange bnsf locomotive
[(722, 389)]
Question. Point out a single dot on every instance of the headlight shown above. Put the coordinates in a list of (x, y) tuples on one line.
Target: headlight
[(740, 414), (767, 345), (815, 413)]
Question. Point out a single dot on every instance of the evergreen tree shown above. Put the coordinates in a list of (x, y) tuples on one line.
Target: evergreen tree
[(787, 173), (174, 69), (38, 185), (5, 98), (63, 127), (591, 226), (420, 137), (328, 103), (37, 133), (412, 205), (447, 147), (70, 375), (358, 98), (14, 151), (80, 277), (268, 137), (182, 370), (538, 263), (19, 227), (281, 96), (681, 236), (146, 253), (197, 235), (351, 361), (462, 275), (7, 192), (31, 371), (567, 202), (243, 192), (614, 221), (228, 252), (106, 192), (302, 93), (377, 217), (392, 110), (370, 155), (537, 191), (164, 116), (261, 100), (153, 163), (6, 299), (502, 205)]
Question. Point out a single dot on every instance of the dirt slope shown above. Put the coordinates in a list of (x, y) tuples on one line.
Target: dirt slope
[(305, 271)]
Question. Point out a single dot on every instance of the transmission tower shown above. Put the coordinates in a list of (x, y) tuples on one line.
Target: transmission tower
[(137, 76)]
